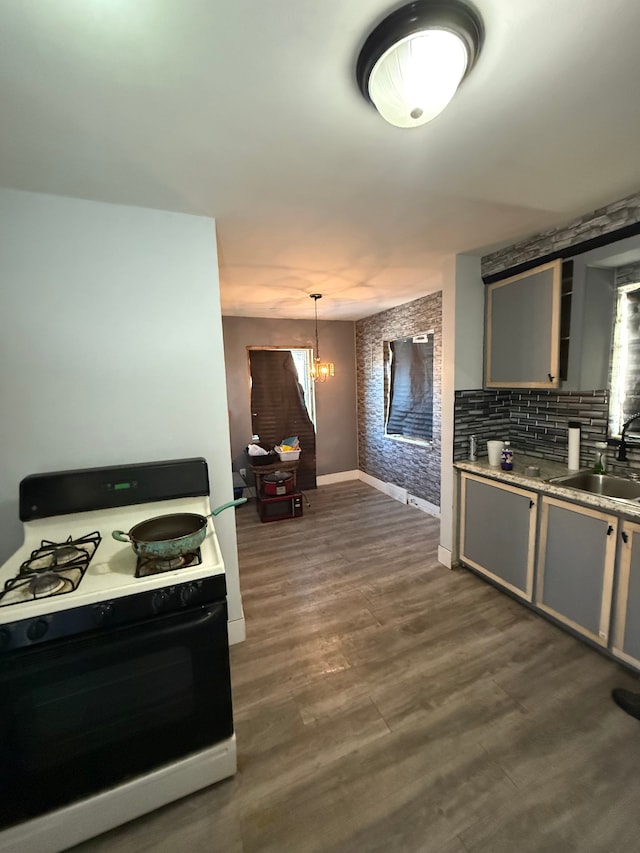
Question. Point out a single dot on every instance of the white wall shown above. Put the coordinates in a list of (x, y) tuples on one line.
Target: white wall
[(462, 365), (448, 386), (469, 325), (110, 348)]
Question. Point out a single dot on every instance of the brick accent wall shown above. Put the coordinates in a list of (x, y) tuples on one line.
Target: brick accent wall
[(534, 421), (410, 466), (628, 275), (602, 221)]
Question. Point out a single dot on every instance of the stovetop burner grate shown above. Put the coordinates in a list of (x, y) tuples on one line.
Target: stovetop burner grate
[(52, 569), (154, 566)]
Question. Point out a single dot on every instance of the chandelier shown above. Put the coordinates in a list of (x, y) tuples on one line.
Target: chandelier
[(320, 370)]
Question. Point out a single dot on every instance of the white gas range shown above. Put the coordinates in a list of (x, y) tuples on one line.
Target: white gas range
[(110, 571), (115, 691)]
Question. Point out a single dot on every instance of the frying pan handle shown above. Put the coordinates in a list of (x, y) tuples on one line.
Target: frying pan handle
[(219, 509), (121, 536)]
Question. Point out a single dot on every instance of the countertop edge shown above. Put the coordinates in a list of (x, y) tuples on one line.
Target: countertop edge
[(548, 470)]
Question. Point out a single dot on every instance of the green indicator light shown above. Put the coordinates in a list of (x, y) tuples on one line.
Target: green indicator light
[(118, 486)]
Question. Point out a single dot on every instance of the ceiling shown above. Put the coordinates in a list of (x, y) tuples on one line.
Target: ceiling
[(249, 112)]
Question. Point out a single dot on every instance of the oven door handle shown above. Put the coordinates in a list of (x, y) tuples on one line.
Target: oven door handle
[(166, 625), (195, 618)]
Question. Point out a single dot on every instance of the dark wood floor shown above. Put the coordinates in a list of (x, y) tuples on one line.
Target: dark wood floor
[(385, 703)]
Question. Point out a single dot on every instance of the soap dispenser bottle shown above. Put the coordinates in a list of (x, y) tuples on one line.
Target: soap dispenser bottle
[(507, 457), (600, 459)]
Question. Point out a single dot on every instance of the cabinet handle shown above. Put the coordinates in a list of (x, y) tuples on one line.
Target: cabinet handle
[(551, 378), (625, 537), (610, 530), (531, 504)]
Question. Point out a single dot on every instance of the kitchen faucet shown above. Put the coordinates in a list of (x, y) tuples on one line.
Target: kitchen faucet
[(620, 443)]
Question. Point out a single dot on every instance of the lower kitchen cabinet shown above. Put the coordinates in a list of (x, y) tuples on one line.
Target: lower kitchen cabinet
[(576, 563), (626, 638), (498, 531)]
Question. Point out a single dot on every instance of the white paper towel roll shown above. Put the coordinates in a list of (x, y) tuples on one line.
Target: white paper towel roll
[(574, 446)]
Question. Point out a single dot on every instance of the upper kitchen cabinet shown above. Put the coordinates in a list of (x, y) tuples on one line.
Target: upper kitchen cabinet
[(551, 327), (523, 323)]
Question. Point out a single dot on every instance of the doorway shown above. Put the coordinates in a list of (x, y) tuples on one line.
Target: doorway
[(281, 406)]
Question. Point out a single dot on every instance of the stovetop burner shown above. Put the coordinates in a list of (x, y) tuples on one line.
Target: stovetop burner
[(52, 556), (153, 565), (46, 584), (54, 568)]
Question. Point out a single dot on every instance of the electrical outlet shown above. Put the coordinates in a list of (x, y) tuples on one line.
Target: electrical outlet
[(243, 473)]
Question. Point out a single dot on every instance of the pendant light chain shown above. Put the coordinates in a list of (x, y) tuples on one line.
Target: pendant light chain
[(315, 297)]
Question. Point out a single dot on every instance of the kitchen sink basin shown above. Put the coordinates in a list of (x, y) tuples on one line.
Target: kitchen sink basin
[(601, 484)]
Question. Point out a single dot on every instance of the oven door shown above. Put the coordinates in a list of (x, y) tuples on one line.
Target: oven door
[(82, 715)]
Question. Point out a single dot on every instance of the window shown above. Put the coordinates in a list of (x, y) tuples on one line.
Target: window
[(625, 362), (303, 360), (409, 382)]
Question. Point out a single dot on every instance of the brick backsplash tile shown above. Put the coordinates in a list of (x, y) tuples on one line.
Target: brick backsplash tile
[(535, 422)]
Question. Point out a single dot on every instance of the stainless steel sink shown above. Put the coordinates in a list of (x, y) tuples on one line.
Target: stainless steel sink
[(601, 484)]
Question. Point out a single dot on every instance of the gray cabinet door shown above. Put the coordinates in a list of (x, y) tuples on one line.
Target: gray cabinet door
[(575, 567), (497, 532), (522, 338), (626, 640)]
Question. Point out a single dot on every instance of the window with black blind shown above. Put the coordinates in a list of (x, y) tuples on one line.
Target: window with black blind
[(410, 388), (624, 399)]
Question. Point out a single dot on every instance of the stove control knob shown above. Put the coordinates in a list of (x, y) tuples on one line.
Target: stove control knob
[(103, 612), (159, 601), (36, 630), (188, 593)]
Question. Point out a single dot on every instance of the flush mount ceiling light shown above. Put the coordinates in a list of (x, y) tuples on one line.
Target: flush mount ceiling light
[(320, 370), (413, 62)]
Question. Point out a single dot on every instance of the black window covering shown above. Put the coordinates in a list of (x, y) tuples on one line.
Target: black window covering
[(410, 410), (278, 408)]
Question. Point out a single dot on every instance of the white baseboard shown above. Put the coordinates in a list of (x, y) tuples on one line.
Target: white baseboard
[(397, 493), (237, 631), (444, 556), (338, 477), (425, 506), (389, 488), (373, 481)]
